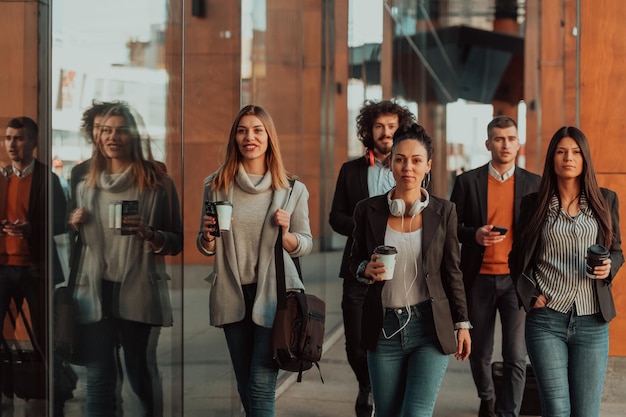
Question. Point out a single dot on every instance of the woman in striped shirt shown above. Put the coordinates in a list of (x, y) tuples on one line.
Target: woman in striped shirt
[(567, 334)]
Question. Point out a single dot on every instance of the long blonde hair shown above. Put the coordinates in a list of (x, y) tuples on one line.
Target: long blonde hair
[(226, 173), (146, 172)]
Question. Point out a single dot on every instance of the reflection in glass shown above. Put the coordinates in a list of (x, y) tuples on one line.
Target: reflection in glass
[(128, 217), (107, 52)]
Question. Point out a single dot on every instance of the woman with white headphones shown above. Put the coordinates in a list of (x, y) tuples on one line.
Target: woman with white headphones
[(410, 319)]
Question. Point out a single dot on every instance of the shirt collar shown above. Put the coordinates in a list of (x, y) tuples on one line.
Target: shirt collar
[(555, 204), (26, 171), (501, 177)]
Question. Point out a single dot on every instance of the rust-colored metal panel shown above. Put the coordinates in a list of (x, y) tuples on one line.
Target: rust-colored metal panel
[(602, 49), (218, 32), (19, 49), (602, 96), (552, 110), (532, 93), (570, 75)]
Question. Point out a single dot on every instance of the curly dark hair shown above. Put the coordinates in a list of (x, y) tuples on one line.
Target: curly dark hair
[(98, 108), (371, 110)]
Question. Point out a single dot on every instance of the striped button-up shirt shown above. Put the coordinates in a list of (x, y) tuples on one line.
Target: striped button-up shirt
[(560, 270)]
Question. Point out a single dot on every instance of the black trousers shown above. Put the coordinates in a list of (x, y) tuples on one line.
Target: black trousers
[(352, 307)]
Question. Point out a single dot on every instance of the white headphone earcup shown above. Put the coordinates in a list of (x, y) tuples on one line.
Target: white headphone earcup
[(420, 205), (397, 207), (417, 208)]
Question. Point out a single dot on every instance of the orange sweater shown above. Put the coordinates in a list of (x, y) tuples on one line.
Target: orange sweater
[(14, 251), (500, 197)]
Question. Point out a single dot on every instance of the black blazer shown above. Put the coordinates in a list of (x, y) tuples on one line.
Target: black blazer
[(39, 218), (350, 189), (440, 267), (521, 259), (470, 196)]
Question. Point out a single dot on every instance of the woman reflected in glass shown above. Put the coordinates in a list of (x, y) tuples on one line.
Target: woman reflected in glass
[(128, 217)]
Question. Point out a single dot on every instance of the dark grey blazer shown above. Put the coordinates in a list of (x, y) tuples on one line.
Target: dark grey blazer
[(521, 260), (350, 189), (440, 267), (470, 196), (39, 218)]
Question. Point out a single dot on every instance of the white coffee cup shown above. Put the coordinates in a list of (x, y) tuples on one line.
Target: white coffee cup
[(387, 255), (224, 213)]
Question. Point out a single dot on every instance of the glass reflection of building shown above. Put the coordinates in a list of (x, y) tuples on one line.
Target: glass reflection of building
[(187, 66)]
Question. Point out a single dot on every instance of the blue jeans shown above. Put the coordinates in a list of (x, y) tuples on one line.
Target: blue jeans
[(101, 341), (569, 354), (407, 369), (250, 348), (491, 294)]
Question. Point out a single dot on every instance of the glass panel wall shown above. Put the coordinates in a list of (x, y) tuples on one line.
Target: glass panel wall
[(110, 91), (184, 68)]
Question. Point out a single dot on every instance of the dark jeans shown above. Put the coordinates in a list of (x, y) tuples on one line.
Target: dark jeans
[(352, 307), (101, 341), (491, 293), (250, 348), (17, 283)]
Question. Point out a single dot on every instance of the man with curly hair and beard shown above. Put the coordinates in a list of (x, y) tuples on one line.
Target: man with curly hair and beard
[(358, 179)]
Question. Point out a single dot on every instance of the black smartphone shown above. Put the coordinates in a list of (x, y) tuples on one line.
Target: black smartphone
[(211, 210), (129, 208), (501, 230)]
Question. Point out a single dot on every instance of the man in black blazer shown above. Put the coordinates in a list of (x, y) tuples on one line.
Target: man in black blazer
[(487, 200), (359, 179), (25, 229)]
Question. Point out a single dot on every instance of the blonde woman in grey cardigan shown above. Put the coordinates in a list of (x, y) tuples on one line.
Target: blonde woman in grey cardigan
[(121, 284), (243, 293)]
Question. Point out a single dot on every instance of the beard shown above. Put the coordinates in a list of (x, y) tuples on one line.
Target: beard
[(383, 148)]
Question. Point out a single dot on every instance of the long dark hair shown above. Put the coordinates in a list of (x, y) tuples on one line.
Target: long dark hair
[(588, 185)]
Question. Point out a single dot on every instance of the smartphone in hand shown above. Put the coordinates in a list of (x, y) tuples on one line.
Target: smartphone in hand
[(211, 210), (501, 230), (129, 208)]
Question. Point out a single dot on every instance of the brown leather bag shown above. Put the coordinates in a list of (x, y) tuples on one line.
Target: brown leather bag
[(298, 330)]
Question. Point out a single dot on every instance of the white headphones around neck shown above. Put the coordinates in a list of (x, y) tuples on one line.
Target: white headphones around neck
[(397, 207)]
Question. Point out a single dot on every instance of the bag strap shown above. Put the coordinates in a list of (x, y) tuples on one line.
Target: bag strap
[(77, 248), (281, 290), (281, 287)]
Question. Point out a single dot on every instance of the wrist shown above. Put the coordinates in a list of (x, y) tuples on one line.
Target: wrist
[(203, 237), (152, 234)]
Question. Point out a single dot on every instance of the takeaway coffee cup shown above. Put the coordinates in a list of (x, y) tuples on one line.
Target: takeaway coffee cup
[(388, 257), (224, 213), (596, 254)]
